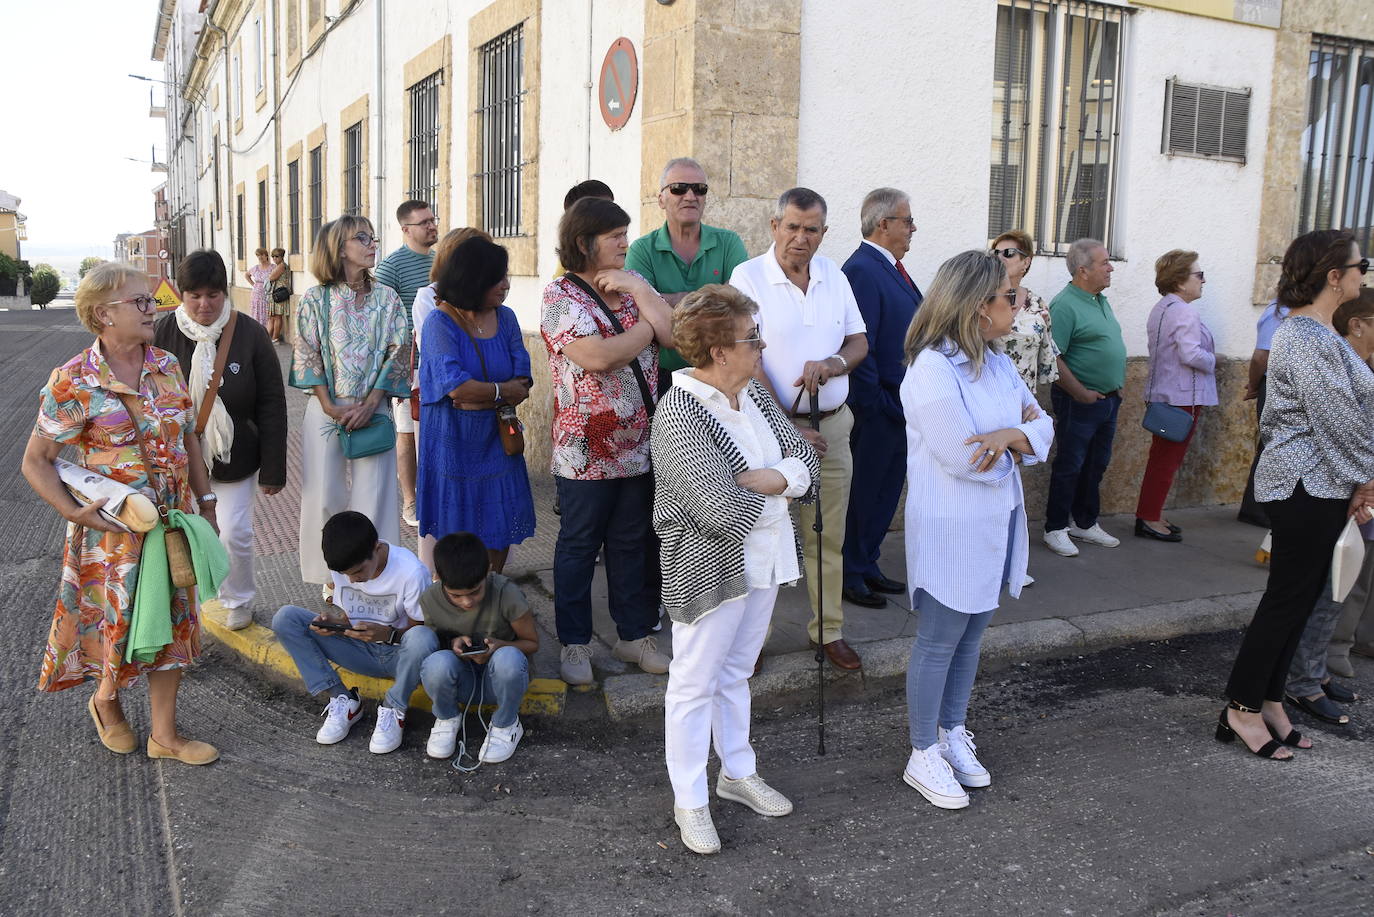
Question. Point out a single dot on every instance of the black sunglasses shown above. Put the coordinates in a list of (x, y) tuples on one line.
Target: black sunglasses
[(679, 188), (1008, 252), (1362, 264)]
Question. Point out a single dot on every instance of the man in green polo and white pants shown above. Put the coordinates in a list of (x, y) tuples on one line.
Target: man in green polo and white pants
[(684, 254)]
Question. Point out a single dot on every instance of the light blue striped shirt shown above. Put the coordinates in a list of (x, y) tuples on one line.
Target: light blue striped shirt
[(957, 519)]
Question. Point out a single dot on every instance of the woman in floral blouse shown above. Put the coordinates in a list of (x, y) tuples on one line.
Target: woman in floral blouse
[(86, 405), (352, 352), (1029, 344)]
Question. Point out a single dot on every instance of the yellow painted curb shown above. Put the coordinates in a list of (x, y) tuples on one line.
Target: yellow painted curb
[(258, 645)]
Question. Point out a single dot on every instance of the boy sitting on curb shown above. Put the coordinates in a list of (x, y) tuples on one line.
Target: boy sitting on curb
[(469, 608), (370, 629)]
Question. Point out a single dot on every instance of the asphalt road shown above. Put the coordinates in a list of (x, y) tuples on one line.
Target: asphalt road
[(1109, 794)]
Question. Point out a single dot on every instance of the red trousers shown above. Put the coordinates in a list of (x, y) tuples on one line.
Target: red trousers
[(1166, 457)]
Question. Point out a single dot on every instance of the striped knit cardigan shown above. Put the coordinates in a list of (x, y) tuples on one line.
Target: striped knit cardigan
[(701, 515)]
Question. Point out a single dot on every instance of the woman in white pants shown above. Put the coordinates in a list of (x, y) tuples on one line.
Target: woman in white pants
[(244, 438), (726, 463), (352, 353)]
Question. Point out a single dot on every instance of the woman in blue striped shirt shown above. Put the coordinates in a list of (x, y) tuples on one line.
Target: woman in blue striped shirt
[(970, 422)]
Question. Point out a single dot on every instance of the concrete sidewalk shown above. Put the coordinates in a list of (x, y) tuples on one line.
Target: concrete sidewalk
[(1104, 597)]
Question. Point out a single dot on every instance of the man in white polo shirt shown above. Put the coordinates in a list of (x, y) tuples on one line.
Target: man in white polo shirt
[(815, 336)]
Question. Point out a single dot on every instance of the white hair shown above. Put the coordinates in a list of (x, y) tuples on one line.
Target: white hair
[(879, 204), (674, 163), (1080, 254)]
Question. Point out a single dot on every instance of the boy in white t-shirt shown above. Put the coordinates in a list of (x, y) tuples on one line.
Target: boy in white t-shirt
[(371, 628)]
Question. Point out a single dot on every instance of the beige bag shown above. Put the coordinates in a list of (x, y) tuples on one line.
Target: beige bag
[(179, 563)]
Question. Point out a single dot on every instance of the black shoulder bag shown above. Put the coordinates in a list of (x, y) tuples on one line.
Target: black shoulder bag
[(644, 391)]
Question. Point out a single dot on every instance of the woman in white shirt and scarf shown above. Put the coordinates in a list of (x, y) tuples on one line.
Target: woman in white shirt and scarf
[(970, 423), (726, 463), (244, 441)]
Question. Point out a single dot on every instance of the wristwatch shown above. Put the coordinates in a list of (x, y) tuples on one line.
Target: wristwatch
[(843, 361), (211, 497)]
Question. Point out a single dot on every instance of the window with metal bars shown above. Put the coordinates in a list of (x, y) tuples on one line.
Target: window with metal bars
[(239, 235), (293, 206), (1205, 121), (1338, 139), (423, 142), (1056, 122), (262, 214), (316, 193), (353, 170), (501, 111)]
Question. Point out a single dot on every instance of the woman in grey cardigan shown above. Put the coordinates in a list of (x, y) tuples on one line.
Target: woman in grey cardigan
[(726, 463)]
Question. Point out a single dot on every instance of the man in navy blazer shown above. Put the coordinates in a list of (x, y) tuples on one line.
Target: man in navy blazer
[(888, 299)]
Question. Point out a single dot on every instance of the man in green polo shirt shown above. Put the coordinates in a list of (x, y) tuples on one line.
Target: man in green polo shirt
[(684, 254), (1092, 372)]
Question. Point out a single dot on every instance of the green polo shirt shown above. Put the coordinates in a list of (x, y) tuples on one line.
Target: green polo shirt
[(652, 255), (1089, 338)]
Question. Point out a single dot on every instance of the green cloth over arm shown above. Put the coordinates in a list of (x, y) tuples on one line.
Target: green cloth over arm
[(151, 626)]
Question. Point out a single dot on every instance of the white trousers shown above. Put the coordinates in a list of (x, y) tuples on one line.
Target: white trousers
[(331, 484), (708, 700), (234, 511)]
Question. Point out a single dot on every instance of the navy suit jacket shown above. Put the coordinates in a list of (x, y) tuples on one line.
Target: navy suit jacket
[(887, 302)]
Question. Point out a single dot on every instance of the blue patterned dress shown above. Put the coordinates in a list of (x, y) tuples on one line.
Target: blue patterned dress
[(465, 482)]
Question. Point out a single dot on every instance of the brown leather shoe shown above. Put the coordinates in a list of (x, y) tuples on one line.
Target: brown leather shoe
[(192, 752), (118, 738), (841, 655)]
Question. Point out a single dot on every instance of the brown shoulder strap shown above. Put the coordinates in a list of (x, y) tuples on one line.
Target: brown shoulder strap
[(133, 406), (452, 313), (207, 404)]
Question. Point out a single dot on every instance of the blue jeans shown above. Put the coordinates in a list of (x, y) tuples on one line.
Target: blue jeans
[(453, 683), (314, 652), (1083, 433), (617, 514), (944, 660)]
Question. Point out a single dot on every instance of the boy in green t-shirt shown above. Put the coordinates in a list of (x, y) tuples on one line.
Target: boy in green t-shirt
[(469, 608)]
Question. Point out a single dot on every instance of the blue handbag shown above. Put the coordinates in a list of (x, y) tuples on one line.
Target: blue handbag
[(1161, 418)]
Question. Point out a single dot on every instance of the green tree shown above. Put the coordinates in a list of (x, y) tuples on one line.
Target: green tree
[(45, 285), (86, 264)]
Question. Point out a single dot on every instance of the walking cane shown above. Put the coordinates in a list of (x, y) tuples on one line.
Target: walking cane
[(819, 528)]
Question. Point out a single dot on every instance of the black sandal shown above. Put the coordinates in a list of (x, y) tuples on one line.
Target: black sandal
[(1322, 708), (1339, 692), (1292, 740), (1226, 734)]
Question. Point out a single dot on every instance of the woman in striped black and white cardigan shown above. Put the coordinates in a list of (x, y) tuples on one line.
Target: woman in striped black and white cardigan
[(726, 463)]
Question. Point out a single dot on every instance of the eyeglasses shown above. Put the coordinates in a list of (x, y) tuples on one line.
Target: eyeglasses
[(365, 239), (1009, 294), (679, 188), (756, 339), (1362, 264), (909, 221), (432, 221), (1200, 275), (1010, 252), (143, 302)]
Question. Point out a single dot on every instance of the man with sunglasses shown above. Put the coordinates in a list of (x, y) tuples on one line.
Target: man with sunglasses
[(684, 254), (888, 299), (406, 270)]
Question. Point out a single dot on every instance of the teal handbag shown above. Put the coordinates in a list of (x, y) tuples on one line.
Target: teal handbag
[(380, 433)]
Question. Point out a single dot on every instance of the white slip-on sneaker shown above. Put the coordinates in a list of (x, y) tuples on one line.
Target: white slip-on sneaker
[(500, 743), (754, 793), (343, 711), (643, 653), (928, 773), (1094, 535), (443, 738), (1059, 542), (575, 664), (698, 831), (1028, 581), (386, 735), (958, 749), (238, 618)]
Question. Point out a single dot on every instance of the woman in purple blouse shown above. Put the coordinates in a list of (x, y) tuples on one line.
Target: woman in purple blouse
[(1182, 372)]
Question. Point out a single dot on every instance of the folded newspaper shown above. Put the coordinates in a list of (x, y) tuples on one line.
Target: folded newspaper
[(125, 507)]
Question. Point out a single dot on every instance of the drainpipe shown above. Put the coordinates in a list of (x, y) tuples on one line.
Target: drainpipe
[(228, 131), (379, 133), (276, 137), (591, 89)]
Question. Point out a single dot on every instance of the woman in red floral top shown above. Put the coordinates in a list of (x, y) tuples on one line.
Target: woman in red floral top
[(603, 356)]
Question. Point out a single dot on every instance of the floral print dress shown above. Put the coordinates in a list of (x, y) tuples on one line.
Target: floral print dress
[(259, 273), (80, 407), (1030, 344)]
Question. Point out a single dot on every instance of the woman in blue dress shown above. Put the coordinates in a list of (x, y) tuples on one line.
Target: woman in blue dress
[(473, 361)]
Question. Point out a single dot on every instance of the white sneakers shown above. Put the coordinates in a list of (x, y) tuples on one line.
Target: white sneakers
[(698, 831), (343, 711), (1095, 535), (443, 738), (754, 793), (386, 736), (500, 743), (643, 653), (1059, 542), (957, 748), (575, 664), (928, 773), (238, 618)]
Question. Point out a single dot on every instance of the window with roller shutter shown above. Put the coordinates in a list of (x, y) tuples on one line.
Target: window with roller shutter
[(1209, 122)]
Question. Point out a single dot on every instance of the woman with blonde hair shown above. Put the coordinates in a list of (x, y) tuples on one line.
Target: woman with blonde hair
[(351, 351), (971, 422), (90, 403)]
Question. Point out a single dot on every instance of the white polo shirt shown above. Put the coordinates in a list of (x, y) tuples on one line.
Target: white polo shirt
[(800, 326)]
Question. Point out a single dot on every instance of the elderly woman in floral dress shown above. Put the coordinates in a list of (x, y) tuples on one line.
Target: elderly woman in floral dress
[(84, 406), (1030, 344)]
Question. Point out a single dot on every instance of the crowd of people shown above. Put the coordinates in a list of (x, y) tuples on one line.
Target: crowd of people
[(722, 426)]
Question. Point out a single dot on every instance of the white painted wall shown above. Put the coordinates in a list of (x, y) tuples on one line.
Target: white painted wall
[(926, 126)]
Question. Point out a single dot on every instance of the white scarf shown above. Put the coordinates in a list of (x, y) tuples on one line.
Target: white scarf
[(218, 439)]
